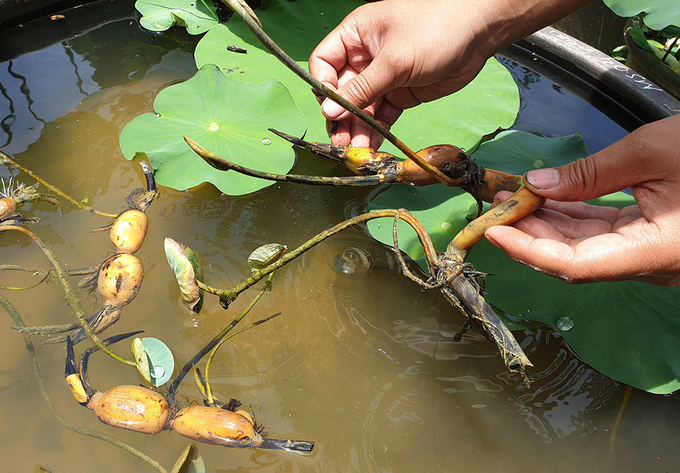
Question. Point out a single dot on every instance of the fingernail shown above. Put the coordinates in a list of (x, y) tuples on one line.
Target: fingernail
[(543, 178), (331, 109)]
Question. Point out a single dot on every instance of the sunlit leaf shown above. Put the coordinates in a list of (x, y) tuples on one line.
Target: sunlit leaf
[(658, 13), (184, 263), (198, 16), (265, 255), (490, 102), (155, 361), (517, 152), (638, 35), (190, 461), (228, 117)]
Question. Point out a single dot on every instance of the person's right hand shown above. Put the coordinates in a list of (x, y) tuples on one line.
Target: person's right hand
[(394, 54), (579, 243)]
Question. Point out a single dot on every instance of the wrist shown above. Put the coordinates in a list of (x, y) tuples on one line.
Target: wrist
[(504, 22)]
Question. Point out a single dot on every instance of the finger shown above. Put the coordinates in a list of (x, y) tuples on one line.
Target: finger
[(571, 220), (621, 165), (339, 132), (609, 257), (329, 57), (569, 229), (363, 135), (583, 211), (538, 228), (326, 63), (387, 114)]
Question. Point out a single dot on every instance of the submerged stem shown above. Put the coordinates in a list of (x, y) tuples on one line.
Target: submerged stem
[(229, 336), (617, 424), (71, 298), (229, 295), (35, 367), (172, 391), (54, 189)]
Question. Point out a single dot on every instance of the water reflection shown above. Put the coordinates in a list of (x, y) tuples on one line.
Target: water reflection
[(39, 87), (563, 393), (31, 100), (540, 97)]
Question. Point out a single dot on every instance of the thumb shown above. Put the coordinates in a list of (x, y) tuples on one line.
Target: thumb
[(647, 154), (362, 90), (587, 178)]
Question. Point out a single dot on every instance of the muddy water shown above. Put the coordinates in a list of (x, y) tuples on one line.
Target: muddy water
[(362, 363)]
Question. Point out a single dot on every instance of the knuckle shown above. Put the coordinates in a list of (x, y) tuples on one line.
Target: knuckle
[(578, 179), (358, 91), (576, 173)]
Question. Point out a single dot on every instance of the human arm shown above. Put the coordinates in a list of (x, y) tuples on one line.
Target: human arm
[(391, 55), (579, 243)]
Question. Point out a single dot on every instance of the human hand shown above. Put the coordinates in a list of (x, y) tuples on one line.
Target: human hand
[(391, 55), (580, 243), (395, 54)]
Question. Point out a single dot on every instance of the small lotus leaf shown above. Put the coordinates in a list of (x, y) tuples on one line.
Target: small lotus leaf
[(198, 16), (229, 118), (186, 267), (638, 36), (671, 31), (265, 255), (155, 361)]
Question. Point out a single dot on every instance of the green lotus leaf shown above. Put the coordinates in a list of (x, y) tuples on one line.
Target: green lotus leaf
[(490, 102), (626, 330), (197, 16), (517, 152), (638, 35), (658, 13), (671, 32), (228, 117), (155, 361)]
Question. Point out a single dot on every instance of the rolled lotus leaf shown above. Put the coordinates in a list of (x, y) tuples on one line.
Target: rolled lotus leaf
[(187, 269)]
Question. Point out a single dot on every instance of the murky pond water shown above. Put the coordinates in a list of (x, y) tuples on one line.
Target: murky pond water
[(361, 362)]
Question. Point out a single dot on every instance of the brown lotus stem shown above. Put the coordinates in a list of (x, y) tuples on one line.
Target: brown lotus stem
[(520, 204)]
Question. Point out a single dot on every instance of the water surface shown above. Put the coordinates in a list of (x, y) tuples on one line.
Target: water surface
[(362, 363)]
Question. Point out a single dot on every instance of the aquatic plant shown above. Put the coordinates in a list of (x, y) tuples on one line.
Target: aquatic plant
[(612, 341)]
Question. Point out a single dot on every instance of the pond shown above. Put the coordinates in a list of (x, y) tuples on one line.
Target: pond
[(361, 362)]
